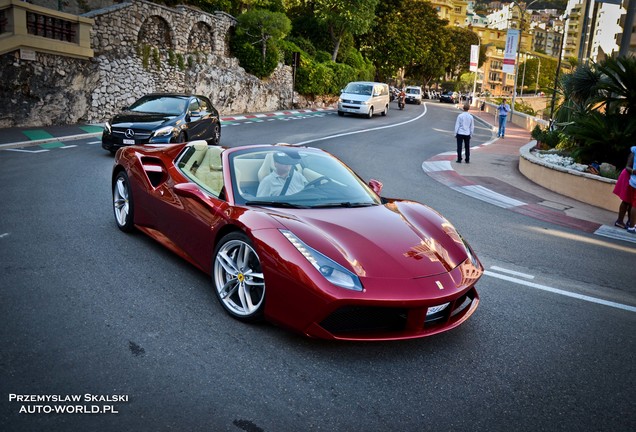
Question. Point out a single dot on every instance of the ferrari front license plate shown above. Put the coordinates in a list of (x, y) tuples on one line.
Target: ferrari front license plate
[(129, 141)]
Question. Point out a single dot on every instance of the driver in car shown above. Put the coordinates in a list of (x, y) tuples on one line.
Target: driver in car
[(284, 180)]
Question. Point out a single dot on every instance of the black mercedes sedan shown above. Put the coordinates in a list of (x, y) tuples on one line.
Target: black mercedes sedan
[(162, 118)]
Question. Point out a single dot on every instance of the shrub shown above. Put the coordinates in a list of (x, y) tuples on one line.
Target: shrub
[(303, 44), (342, 75), (546, 139), (313, 78), (250, 57), (322, 56), (524, 108)]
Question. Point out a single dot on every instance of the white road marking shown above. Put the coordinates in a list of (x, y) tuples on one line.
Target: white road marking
[(363, 130), (25, 151), (512, 272), (436, 166), (562, 292), (489, 196), (4, 235)]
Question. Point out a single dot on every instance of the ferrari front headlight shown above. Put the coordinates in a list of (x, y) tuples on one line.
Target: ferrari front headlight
[(164, 131), (331, 270)]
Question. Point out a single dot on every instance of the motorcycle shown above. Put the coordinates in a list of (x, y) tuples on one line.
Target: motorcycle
[(401, 102)]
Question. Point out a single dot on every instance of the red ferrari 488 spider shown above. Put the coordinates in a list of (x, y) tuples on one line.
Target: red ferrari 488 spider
[(292, 235)]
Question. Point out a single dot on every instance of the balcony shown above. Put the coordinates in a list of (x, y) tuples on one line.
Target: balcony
[(31, 28)]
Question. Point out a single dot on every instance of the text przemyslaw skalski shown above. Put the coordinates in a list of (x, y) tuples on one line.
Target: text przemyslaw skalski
[(54, 398)]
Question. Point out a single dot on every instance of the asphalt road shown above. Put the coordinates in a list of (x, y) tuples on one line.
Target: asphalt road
[(87, 309)]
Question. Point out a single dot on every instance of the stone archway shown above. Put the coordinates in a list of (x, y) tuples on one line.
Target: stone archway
[(156, 32), (201, 38)]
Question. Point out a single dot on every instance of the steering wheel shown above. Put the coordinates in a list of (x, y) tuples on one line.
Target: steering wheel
[(318, 181)]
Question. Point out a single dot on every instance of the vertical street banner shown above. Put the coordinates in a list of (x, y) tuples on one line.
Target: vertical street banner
[(512, 41), (474, 57)]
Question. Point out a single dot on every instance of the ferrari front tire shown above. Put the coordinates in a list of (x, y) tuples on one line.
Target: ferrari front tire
[(238, 277), (123, 202)]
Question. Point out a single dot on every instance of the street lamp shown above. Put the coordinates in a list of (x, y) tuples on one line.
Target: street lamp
[(556, 75), (514, 88)]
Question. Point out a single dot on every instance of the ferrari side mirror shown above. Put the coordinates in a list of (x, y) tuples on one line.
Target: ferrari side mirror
[(376, 186)]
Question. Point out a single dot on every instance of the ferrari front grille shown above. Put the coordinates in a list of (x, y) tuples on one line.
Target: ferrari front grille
[(375, 319), (355, 319)]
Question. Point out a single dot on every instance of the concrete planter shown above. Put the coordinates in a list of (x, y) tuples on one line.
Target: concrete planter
[(584, 187)]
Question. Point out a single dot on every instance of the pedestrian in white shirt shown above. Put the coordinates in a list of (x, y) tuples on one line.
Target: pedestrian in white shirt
[(464, 128)]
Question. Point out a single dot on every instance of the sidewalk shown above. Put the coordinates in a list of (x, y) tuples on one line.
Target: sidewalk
[(493, 176)]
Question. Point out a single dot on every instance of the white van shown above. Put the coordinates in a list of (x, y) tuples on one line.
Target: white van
[(414, 94), (364, 98)]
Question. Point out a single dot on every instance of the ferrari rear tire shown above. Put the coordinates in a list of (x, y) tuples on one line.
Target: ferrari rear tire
[(238, 277), (123, 202)]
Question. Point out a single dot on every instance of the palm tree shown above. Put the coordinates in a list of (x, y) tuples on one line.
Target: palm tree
[(599, 109)]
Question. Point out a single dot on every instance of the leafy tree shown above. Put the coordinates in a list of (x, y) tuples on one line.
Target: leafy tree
[(407, 34), (432, 67), (545, 67), (345, 16), (460, 41), (598, 112), (262, 26)]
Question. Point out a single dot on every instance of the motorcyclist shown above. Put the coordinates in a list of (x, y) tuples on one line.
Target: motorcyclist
[(402, 99)]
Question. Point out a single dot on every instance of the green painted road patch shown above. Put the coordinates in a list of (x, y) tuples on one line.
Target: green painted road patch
[(91, 129), (37, 134), (54, 144)]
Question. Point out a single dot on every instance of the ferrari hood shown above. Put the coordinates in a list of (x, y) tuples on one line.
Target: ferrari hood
[(140, 120), (400, 239)]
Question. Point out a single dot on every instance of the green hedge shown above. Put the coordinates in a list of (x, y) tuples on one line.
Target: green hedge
[(318, 75)]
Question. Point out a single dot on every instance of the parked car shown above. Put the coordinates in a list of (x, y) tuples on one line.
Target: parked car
[(329, 259), (414, 94), (449, 97), (162, 118), (364, 98)]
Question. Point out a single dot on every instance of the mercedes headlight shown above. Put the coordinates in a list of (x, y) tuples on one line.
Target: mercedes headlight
[(331, 270), (164, 131), (107, 127)]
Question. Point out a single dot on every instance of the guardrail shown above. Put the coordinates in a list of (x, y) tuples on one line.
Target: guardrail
[(28, 28)]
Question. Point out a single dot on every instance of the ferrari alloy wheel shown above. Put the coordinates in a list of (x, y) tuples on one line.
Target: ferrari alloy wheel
[(238, 277), (123, 202)]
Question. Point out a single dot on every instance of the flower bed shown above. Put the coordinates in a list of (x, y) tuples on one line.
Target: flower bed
[(561, 175)]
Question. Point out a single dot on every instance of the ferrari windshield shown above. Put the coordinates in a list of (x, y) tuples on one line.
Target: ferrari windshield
[(160, 104), (296, 177)]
